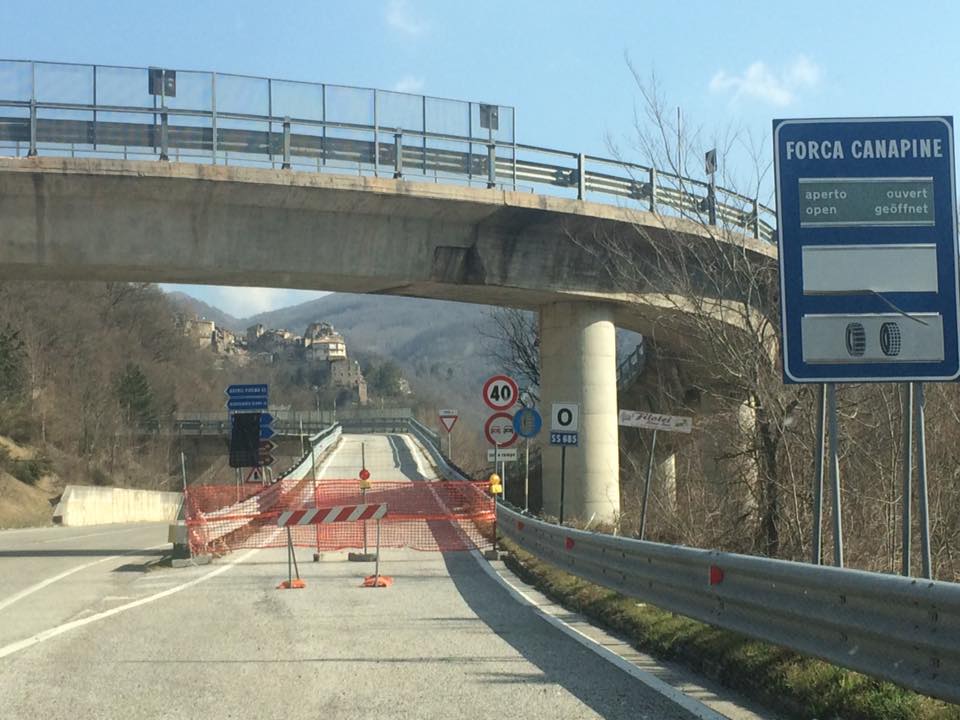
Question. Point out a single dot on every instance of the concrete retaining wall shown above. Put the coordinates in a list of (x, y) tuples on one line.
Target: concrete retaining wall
[(83, 505)]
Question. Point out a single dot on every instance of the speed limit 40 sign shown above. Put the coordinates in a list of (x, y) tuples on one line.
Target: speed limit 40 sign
[(500, 392)]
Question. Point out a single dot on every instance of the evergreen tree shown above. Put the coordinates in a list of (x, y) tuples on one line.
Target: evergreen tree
[(136, 397)]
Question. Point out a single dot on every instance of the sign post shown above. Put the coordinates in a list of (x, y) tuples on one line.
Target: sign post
[(527, 423), (500, 393), (564, 431), (867, 226), (448, 418), (656, 422)]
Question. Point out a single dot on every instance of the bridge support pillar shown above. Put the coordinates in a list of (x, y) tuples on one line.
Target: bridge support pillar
[(578, 363)]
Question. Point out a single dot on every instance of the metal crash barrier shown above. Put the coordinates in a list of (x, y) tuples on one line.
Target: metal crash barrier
[(905, 630)]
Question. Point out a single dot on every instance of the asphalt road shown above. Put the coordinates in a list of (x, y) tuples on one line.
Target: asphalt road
[(87, 629)]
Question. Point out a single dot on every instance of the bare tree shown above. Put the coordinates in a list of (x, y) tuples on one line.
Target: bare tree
[(709, 295), (512, 342)]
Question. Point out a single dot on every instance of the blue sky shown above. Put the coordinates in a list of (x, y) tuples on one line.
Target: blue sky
[(560, 63)]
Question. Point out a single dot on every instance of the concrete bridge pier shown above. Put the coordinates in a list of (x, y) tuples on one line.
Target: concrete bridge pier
[(578, 363)]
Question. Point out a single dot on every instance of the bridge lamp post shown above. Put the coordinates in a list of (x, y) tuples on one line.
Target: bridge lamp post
[(163, 83), (490, 119)]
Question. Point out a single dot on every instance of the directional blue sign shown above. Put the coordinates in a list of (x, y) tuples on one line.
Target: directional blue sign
[(867, 214), (266, 426), (243, 391), (247, 403)]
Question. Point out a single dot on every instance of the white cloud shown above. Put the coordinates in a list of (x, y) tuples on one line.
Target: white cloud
[(804, 72), (409, 84), (400, 17), (760, 82), (243, 302)]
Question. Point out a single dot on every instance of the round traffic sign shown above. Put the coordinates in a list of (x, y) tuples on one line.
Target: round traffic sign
[(500, 392), (499, 430), (527, 422), (364, 474)]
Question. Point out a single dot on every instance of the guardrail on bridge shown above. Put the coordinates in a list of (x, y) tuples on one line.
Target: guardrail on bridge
[(107, 111)]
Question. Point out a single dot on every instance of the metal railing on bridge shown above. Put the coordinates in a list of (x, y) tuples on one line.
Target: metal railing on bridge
[(308, 422), (75, 110), (631, 367), (291, 423)]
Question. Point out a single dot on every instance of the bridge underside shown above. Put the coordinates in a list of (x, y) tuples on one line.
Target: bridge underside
[(93, 219)]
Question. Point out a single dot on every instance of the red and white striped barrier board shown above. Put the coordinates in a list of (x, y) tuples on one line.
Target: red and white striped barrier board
[(339, 513)]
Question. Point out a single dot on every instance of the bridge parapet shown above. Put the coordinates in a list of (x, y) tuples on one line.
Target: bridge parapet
[(219, 118)]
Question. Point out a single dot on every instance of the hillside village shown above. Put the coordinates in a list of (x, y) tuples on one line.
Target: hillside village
[(319, 344)]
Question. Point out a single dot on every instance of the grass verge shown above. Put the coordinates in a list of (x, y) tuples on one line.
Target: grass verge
[(794, 685)]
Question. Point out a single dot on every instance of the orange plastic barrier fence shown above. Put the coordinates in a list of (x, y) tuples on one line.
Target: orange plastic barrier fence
[(430, 516)]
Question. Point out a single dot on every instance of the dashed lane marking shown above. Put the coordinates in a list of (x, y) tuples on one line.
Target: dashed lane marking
[(73, 625), (66, 573)]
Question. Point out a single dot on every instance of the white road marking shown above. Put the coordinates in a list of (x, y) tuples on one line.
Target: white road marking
[(688, 703), (50, 580), (66, 627), (417, 454), (96, 534)]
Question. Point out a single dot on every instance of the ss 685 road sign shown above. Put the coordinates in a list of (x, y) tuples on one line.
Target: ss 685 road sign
[(500, 392), (564, 424), (866, 216)]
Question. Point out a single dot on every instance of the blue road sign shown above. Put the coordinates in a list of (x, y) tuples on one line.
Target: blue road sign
[(266, 419), (564, 438), (867, 214), (266, 432), (247, 403), (527, 422), (244, 391)]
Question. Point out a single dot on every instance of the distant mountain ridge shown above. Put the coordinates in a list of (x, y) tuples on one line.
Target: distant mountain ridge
[(201, 309), (438, 344)]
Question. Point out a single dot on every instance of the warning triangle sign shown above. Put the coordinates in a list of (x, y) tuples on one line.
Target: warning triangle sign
[(448, 421)]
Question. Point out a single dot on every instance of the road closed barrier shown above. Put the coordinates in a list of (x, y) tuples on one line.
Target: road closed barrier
[(338, 513), (429, 516)]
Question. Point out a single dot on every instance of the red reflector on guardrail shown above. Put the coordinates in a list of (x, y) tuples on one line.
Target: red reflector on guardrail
[(569, 543), (716, 575), (520, 525)]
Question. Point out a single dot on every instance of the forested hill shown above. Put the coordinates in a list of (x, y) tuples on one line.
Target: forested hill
[(82, 363)]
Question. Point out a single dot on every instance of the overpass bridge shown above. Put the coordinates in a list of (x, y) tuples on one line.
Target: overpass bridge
[(266, 182)]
